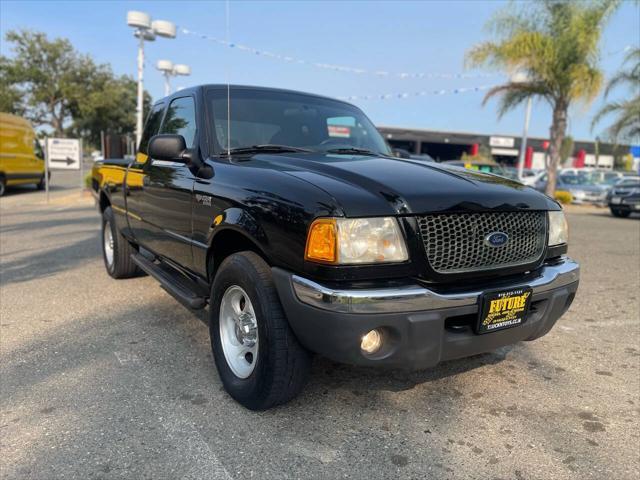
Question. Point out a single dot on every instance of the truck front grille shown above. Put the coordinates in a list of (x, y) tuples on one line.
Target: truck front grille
[(457, 242)]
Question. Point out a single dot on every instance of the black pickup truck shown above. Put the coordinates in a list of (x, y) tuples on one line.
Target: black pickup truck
[(287, 214)]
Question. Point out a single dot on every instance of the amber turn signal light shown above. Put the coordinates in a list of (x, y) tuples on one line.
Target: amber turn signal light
[(321, 241)]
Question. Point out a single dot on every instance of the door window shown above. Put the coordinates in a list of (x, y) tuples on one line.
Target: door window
[(151, 127), (181, 119)]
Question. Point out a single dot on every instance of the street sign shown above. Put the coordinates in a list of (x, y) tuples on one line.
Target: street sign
[(64, 153)]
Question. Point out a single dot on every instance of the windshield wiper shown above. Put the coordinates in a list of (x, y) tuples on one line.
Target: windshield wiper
[(353, 151), (269, 148)]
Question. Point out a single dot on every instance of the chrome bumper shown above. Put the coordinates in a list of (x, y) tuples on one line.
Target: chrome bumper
[(412, 298)]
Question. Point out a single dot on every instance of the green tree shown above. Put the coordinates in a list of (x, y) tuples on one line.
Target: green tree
[(10, 98), (47, 74), (556, 45), (108, 104), (566, 149), (626, 112), (53, 85)]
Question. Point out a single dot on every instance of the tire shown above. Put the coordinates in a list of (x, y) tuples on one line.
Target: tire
[(281, 365), (118, 262), (620, 213), (3, 185)]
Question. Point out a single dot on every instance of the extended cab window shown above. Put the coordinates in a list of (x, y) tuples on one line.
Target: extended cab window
[(150, 129), (181, 119)]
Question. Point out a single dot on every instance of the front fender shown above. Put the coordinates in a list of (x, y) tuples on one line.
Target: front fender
[(232, 230), (241, 221)]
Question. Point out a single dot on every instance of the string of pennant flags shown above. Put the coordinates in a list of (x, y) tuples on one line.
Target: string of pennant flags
[(331, 66), (422, 93)]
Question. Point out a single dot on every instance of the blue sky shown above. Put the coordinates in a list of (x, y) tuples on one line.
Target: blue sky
[(426, 36)]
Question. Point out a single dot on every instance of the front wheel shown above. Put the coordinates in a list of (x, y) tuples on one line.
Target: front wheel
[(620, 213), (259, 359)]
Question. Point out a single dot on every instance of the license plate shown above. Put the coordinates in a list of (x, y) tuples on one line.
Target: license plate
[(616, 200), (504, 309)]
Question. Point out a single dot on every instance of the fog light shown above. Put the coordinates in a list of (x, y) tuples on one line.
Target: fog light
[(371, 342)]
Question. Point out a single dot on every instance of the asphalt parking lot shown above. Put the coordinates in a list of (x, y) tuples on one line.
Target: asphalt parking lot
[(105, 379)]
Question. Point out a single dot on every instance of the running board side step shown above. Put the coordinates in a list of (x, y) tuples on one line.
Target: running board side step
[(186, 291)]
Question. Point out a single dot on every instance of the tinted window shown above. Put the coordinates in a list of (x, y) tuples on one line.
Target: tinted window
[(181, 119), (291, 119), (151, 127)]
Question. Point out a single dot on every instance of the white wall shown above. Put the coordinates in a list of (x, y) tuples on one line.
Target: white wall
[(538, 160), (604, 161)]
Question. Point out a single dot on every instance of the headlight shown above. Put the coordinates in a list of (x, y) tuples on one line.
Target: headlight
[(558, 229), (348, 241)]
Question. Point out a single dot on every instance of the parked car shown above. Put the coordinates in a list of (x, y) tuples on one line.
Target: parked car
[(402, 153), (423, 157), (601, 176), (486, 166), (532, 176), (624, 198), (304, 235), (529, 176), (21, 157), (581, 188)]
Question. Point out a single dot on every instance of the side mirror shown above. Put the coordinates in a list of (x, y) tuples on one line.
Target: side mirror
[(168, 147)]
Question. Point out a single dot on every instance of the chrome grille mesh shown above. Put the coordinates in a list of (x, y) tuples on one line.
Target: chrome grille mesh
[(455, 243)]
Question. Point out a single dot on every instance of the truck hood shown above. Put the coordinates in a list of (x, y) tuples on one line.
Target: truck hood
[(367, 185)]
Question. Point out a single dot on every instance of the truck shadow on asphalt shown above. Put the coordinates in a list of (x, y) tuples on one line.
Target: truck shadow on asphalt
[(37, 264), (41, 225)]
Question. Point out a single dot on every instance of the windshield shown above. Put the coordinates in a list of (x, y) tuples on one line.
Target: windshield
[(611, 180), (265, 117), (630, 182)]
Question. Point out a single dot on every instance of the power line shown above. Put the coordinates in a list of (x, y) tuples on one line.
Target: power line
[(331, 66), (421, 93)]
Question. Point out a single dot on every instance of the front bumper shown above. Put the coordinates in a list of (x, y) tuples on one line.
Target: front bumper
[(628, 203), (421, 326)]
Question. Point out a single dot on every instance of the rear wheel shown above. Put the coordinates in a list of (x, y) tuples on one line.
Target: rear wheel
[(3, 185), (620, 213), (259, 359), (116, 250)]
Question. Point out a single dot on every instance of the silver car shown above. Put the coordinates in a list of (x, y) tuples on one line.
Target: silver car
[(582, 189)]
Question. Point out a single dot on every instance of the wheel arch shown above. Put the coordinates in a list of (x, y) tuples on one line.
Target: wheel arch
[(103, 200), (227, 240)]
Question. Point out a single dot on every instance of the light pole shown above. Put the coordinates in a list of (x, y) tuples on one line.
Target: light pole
[(147, 30), (523, 143), (522, 78), (169, 70)]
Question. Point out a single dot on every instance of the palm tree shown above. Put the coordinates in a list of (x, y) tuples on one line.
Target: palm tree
[(627, 111), (555, 44)]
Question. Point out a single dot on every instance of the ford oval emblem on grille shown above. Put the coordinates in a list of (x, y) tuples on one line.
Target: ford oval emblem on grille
[(496, 239)]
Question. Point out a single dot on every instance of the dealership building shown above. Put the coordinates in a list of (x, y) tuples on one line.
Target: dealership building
[(504, 149)]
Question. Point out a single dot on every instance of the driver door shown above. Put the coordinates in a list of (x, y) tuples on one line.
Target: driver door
[(167, 188)]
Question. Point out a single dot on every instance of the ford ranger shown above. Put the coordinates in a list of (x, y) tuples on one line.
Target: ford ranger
[(288, 216)]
